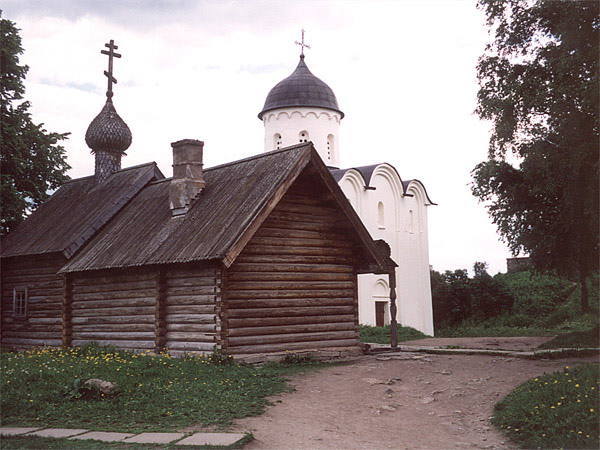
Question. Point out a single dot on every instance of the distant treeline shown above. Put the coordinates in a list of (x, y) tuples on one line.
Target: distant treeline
[(522, 298)]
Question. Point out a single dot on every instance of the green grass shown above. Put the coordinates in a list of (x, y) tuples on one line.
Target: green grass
[(381, 335), (155, 393), (576, 339), (558, 410)]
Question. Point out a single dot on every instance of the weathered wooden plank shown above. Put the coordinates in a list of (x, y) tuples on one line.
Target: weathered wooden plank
[(237, 341), (287, 232), (206, 272), (294, 312), (315, 276), (31, 334), (45, 320), (190, 337), (268, 348), (134, 345), (112, 312), (208, 299), (119, 319), (110, 326), (142, 293), (290, 329), (41, 282), (112, 303), (269, 268), (296, 250), (112, 335), (125, 286), (299, 217), (283, 303), (305, 286), (264, 294), (191, 346), (184, 290), (192, 327), (290, 259), (192, 281), (190, 309), (190, 318), (113, 278), (30, 342), (300, 242)]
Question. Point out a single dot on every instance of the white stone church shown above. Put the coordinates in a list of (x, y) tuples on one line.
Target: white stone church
[(303, 108)]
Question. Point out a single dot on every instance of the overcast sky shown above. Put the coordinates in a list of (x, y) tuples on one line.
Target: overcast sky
[(403, 73)]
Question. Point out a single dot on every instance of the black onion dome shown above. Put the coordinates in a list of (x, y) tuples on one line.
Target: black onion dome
[(108, 132), (301, 88)]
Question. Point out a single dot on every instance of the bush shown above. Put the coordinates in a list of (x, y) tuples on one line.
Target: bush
[(558, 410), (456, 297)]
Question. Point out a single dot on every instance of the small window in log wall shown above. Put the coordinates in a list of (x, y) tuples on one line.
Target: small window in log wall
[(20, 302)]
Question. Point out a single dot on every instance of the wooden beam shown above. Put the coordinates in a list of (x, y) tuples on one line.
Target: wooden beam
[(67, 311), (160, 313)]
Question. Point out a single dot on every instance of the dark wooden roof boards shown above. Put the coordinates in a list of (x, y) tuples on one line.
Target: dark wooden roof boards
[(237, 198), (73, 214)]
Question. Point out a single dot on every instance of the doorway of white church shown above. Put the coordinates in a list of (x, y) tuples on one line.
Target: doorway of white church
[(381, 300)]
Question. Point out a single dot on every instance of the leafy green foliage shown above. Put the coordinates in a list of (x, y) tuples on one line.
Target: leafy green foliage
[(156, 393), (544, 304), (558, 410), (539, 88), (456, 297), (31, 161), (381, 335)]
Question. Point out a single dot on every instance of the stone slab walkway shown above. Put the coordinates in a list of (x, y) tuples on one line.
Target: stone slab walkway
[(216, 439)]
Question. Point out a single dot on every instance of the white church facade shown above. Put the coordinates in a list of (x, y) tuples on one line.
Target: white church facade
[(303, 108)]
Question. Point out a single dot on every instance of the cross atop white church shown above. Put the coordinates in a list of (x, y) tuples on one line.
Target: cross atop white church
[(302, 44)]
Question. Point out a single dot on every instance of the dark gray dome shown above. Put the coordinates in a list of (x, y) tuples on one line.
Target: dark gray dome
[(301, 88), (108, 132)]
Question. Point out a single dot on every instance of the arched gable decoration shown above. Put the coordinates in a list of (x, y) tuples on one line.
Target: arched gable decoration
[(356, 181), (390, 175), (381, 289), (415, 187)]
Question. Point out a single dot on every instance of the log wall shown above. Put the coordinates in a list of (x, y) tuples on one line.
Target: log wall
[(42, 325), (191, 297), (114, 309), (293, 287)]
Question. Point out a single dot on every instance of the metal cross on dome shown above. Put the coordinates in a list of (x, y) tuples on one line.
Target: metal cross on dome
[(111, 48), (302, 44)]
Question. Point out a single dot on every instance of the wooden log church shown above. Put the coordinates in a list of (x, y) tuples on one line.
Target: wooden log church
[(259, 255)]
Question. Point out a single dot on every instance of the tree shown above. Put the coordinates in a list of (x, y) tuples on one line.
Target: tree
[(539, 87), (31, 161)]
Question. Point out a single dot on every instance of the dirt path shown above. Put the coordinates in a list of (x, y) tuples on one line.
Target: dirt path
[(520, 344), (415, 402)]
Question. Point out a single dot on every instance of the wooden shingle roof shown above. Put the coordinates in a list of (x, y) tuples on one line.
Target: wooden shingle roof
[(237, 198), (73, 214)]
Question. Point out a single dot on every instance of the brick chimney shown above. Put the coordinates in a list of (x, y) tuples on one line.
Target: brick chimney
[(188, 179)]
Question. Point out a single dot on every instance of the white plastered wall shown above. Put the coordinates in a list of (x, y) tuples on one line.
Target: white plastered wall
[(408, 242), (284, 126)]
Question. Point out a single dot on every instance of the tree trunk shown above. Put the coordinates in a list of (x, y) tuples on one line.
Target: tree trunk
[(585, 306)]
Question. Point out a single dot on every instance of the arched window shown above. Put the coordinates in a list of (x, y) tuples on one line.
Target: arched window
[(303, 136), (277, 141), (380, 215), (411, 221), (330, 147)]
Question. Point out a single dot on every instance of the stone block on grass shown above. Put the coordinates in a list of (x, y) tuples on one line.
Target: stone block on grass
[(59, 432), (154, 438), (103, 436), (14, 431), (212, 439)]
